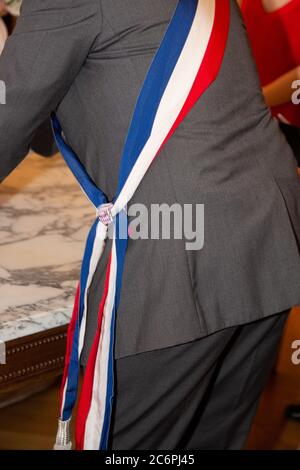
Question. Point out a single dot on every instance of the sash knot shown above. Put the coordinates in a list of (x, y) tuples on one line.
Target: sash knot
[(104, 213)]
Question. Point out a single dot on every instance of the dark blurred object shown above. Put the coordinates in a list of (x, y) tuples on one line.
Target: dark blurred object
[(293, 412), (292, 135), (43, 142), (10, 22)]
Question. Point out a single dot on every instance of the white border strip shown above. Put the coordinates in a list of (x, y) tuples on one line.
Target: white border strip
[(98, 248)]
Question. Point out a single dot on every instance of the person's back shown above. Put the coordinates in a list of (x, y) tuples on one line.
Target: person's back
[(223, 155), (90, 62)]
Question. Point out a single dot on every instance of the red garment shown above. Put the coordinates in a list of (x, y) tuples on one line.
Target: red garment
[(275, 40)]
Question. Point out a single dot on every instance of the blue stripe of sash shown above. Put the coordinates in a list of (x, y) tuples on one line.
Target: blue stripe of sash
[(95, 194), (72, 385), (121, 246)]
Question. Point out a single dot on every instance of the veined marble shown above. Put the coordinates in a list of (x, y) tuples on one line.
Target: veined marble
[(44, 220)]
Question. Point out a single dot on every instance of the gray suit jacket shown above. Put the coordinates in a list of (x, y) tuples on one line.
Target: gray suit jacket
[(87, 60)]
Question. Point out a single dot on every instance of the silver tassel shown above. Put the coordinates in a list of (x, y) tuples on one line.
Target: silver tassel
[(63, 436)]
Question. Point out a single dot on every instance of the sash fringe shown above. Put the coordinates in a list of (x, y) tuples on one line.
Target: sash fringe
[(63, 436)]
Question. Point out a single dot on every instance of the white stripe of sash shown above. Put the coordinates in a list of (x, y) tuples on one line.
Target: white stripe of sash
[(94, 422), (98, 248)]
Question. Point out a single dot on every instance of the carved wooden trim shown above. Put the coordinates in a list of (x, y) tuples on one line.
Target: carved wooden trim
[(30, 362)]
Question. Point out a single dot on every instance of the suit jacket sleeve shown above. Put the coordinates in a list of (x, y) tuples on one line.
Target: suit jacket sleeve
[(38, 65)]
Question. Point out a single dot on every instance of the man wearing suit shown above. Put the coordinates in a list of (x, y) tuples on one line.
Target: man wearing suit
[(196, 331)]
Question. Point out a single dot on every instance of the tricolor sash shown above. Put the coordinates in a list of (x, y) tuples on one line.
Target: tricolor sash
[(187, 62)]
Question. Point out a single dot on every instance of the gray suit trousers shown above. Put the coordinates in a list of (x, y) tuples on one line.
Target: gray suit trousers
[(198, 396)]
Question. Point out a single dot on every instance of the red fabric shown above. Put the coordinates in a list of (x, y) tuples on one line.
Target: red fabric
[(275, 42)]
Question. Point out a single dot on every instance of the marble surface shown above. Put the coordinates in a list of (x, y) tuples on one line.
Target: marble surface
[(44, 220)]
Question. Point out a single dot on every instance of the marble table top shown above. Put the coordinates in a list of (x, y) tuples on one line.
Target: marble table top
[(44, 220)]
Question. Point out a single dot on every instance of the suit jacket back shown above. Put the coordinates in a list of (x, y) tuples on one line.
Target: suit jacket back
[(88, 61)]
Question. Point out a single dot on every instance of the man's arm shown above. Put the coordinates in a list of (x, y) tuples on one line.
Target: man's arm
[(280, 91), (38, 65)]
